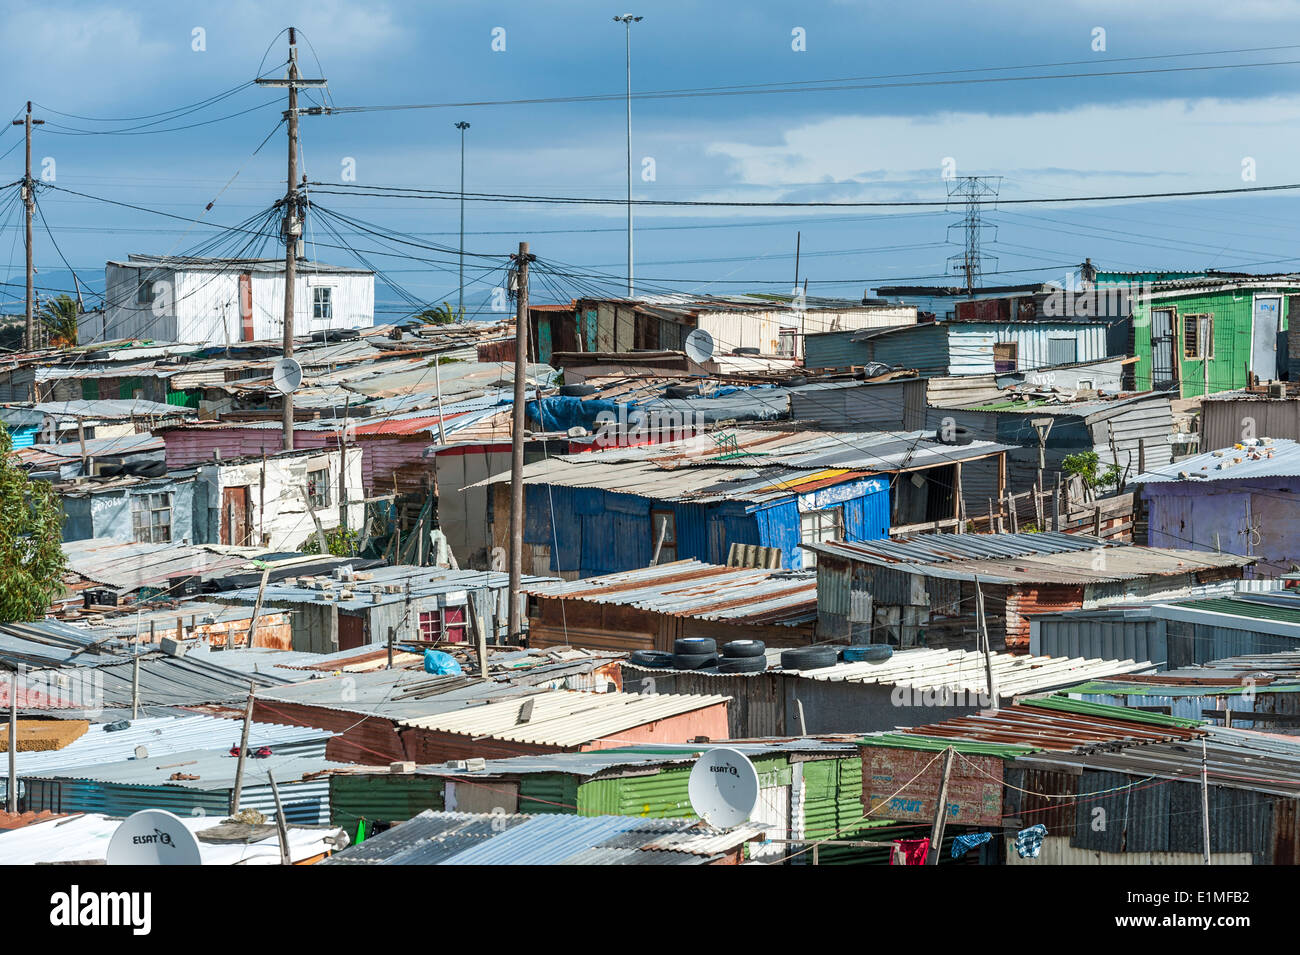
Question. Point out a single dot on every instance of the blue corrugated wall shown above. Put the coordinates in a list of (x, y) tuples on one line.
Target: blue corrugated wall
[(602, 532)]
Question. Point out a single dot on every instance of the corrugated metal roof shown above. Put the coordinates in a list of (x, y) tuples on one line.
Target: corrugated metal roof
[(1273, 458), (428, 839), (691, 588), (956, 671), (1044, 728), (965, 670), (564, 717), (113, 409), (211, 769), (1236, 759), (748, 465), (86, 837), (1046, 558), (164, 735), (453, 838)]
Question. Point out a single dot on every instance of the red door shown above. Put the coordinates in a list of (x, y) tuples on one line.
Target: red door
[(352, 631)]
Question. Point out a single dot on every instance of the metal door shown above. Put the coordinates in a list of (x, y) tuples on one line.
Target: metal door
[(1162, 348), (1263, 351)]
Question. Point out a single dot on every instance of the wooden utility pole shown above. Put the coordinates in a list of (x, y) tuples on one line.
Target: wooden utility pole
[(243, 749), (517, 441), (29, 201), (940, 810), (982, 626), (281, 826), (294, 207)]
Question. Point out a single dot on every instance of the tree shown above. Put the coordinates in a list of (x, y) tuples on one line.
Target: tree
[(31, 533), (59, 315), (1084, 465), (444, 315)]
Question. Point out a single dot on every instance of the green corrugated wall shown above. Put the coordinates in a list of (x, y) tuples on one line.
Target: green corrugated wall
[(1233, 323), (548, 792), (385, 799)]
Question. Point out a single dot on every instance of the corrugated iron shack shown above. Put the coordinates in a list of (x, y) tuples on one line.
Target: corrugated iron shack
[(912, 687), (624, 508), (1241, 499), (921, 590), (650, 608)]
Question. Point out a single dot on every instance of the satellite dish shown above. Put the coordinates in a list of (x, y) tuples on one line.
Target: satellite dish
[(286, 376), (699, 346), (723, 788), (153, 837)]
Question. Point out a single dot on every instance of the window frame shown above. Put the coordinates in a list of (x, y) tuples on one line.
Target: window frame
[(322, 311), (670, 538), (1193, 320), (145, 510), (819, 535), (318, 488), (145, 293), (1014, 360)]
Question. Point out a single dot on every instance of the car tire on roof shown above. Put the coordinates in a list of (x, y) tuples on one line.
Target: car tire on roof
[(742, 664), (705, 645), (650, 658), (744, 648), (577, 391), (868, 653), (693, 661), (809, 658)]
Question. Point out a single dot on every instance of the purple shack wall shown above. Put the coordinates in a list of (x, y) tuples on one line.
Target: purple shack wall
[(1253, 518)]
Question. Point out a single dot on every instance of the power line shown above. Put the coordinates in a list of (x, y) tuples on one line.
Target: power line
[(825, 86), (408, 192)]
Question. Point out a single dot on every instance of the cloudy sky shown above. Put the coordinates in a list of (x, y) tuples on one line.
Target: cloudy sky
[(986, 90)]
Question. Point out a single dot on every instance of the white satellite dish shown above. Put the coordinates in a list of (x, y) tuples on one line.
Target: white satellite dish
[(153, 837), (723, 788), (698, 346), (286, 376)]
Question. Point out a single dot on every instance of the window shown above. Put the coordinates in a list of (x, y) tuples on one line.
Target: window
[(445, 624), (785, 342), (318, 488), (151, 518), (818, 526), (1198, 336), (1004, 357), (144, 291), (664, 523), (1062, 351), (322, 303)]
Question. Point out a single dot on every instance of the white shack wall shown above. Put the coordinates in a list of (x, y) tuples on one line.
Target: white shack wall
[(203, 307), (283, 521), (970, 347), (761, 328)]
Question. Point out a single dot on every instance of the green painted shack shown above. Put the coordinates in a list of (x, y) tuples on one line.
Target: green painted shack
[(1205, 334), (809, 789)]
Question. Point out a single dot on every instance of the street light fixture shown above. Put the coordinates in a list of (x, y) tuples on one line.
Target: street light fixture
[(627, 20), (460, 300)]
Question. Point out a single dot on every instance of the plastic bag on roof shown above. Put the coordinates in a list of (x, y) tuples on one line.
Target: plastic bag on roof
[(440, 664)]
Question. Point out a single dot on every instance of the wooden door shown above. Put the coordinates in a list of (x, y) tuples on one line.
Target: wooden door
[(352, 631), (235, 516)]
